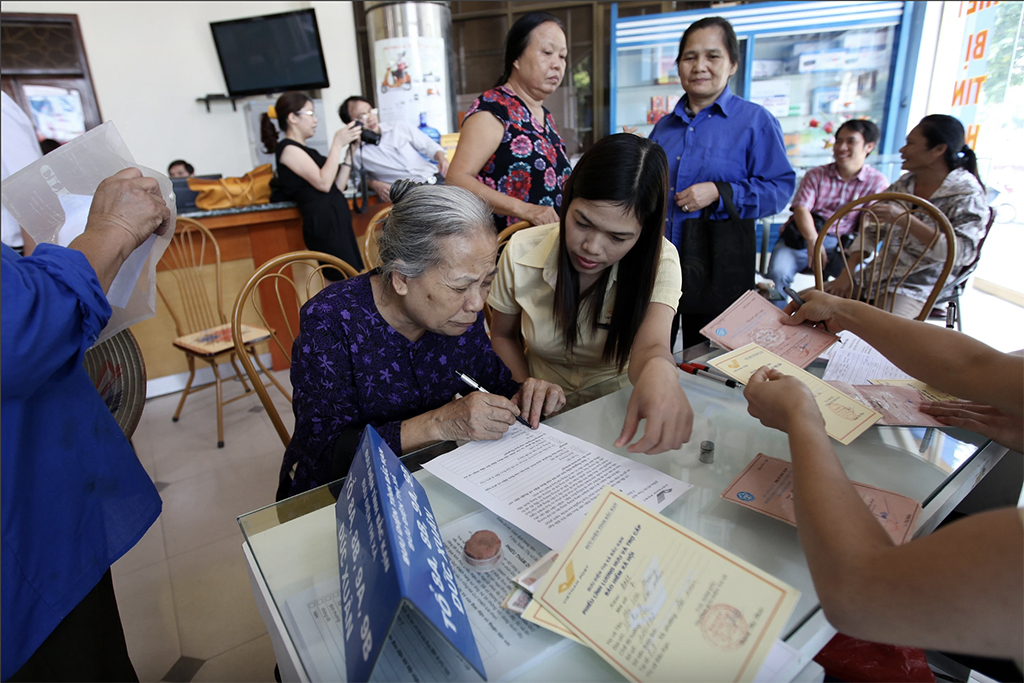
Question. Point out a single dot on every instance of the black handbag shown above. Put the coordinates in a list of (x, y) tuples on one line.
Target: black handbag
[(790, 234), (717, 257)]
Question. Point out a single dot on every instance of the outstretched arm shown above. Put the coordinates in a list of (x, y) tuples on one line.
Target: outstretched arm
[(925, 593), (657, 395), (946, 359)]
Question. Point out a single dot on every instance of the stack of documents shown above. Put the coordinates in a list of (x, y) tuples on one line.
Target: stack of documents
[(543, 480), (660, 603), (845, 417)]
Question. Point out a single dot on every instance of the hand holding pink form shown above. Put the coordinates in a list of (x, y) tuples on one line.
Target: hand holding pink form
[(752, 319)]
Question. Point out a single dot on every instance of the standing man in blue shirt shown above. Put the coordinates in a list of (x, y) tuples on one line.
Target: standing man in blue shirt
[(714, 136)]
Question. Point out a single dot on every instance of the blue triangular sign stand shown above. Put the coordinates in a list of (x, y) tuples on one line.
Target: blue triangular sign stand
[(398, 592)]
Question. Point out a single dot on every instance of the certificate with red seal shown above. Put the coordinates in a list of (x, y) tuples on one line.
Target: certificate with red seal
[(660, 603)]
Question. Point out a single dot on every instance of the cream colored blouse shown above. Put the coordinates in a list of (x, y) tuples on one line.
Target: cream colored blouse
[(525, 284)]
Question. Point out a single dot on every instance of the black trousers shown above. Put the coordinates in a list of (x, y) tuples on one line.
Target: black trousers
[(88, 645), (690, 324)]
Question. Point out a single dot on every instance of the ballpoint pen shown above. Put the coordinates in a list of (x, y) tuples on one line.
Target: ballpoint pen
[(694, 369), (710, 369), (470, 382), (793, 295)]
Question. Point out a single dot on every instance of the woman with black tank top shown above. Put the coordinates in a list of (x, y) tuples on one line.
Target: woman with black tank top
[(312, 181)]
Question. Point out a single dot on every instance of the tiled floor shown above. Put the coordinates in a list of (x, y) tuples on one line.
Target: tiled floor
[(184, 592)]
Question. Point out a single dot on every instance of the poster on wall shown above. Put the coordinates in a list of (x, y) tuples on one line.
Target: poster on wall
[(57, 112), (411, 81)]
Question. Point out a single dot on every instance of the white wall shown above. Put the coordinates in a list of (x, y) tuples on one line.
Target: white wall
[(151, 60)]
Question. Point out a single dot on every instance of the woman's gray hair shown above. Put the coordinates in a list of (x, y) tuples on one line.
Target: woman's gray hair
[(410, 240)]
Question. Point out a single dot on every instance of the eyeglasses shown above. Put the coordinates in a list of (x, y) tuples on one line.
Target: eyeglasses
[(307, 113), (363, 117)]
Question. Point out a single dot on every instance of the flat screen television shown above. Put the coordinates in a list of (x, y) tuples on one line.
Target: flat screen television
[(271, 53)]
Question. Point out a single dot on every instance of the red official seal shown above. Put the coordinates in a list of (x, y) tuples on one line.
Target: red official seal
[(724, 627)]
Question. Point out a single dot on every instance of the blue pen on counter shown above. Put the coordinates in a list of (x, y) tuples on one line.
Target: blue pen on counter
[(472, 383)]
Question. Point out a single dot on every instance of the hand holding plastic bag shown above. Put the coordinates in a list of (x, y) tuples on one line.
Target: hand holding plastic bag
[(51, 199)]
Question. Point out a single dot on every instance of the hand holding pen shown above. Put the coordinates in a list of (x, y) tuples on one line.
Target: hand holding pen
[(535, 398), (473, 384)]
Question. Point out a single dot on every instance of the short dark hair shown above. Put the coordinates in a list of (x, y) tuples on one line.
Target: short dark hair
[(181, 162), (631, 172), (867, 129), (518, 38), (732, 43), (346, 118)]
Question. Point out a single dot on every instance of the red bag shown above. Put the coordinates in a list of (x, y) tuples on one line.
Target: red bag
[(859, 661)]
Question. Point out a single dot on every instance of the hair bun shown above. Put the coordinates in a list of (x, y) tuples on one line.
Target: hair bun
[(400, 188)]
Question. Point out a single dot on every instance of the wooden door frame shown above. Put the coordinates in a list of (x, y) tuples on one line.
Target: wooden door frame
[(13, 78)]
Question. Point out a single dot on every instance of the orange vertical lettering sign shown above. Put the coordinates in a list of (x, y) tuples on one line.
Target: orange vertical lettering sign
[(980, 39), (971, 139)]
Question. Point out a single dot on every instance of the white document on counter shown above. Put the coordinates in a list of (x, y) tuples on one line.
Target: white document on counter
[(508, 645), (854, 361), (544, 481)]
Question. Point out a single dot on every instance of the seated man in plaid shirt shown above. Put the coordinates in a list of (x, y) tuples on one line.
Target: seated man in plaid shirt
[(822, 191)]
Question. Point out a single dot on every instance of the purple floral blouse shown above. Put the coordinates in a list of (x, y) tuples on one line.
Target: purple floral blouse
[(530, 164), (350, 368)]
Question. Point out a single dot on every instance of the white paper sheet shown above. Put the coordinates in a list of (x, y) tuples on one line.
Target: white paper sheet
[(544, 481), (854, 361), (783, 663), (76, 214), (508, 645)]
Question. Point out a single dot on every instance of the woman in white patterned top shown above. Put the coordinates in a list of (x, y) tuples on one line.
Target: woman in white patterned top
[(943, 170)]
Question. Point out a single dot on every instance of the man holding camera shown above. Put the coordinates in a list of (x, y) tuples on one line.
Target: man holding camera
[(390, 151), (822, 192)]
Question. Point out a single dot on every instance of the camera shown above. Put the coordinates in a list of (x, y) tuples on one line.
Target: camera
[(368, 136)]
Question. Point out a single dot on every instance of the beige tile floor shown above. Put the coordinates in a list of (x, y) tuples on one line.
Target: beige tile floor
[(184, 592)]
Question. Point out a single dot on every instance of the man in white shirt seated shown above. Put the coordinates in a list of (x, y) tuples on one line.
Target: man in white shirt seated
[(400, 153)]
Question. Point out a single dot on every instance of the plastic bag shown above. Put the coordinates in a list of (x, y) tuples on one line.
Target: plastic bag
[(50, 199), (855, 661)]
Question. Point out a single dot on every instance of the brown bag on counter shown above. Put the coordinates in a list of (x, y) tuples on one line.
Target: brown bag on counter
[(227, 193)]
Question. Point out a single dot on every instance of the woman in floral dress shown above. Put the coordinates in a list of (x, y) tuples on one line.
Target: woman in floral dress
[(510, 153)]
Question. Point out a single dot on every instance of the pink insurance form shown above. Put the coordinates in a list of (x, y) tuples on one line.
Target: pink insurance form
[(766, 485), (752, 319)]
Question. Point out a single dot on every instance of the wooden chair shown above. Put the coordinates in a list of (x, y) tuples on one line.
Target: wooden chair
[(202, 328), (503, 237), (279, 277), (371, 254), (876, 281), (954, 290)]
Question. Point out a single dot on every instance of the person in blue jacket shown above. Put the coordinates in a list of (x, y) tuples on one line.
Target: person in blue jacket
[(713, 136), (74, 496)]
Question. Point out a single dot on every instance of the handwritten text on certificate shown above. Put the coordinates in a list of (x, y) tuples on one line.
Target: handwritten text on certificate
[(660, 603)]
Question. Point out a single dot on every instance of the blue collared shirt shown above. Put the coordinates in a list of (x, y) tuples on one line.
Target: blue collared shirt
[(74, 497), (734, 141)]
